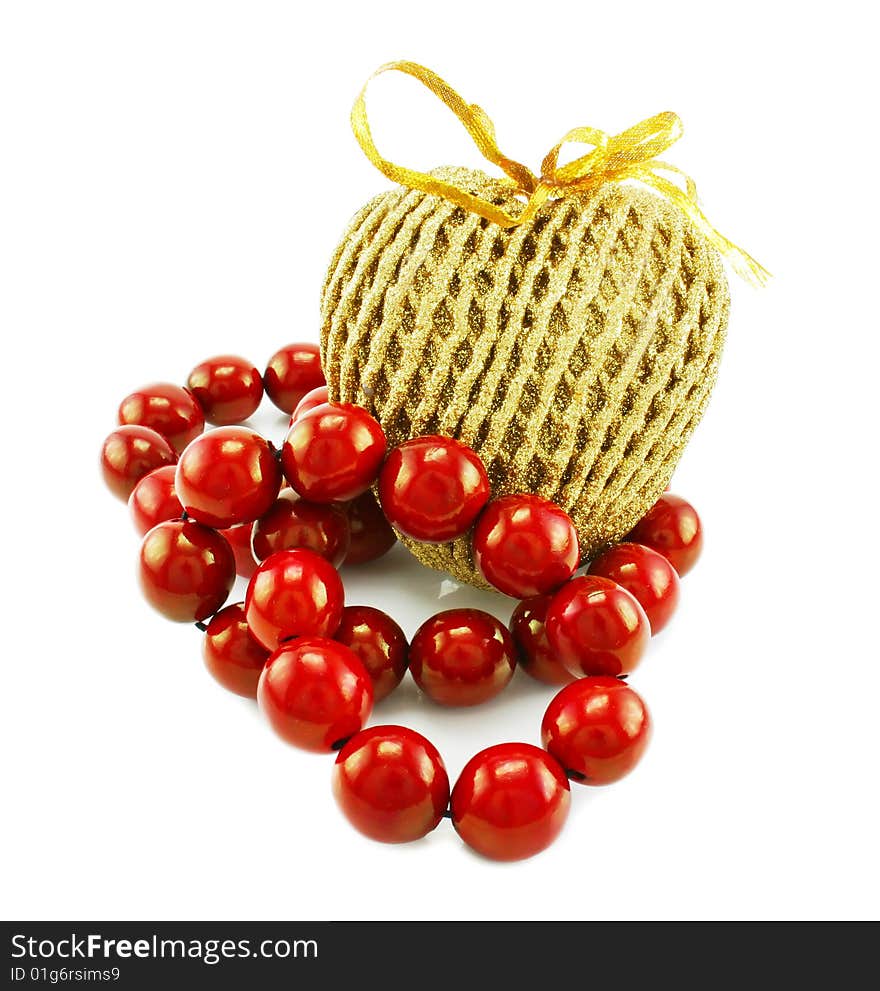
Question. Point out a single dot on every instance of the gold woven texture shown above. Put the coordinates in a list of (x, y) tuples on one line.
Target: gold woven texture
[(575, 353)]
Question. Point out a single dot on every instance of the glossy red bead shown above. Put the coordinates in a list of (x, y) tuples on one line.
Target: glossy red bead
[(597, 729), (333, 453), (131, 452), (168, 409), (239, 538), (433, 488), (315, 693), (228, 388), (596, 627), (380, 644), (646, 574), (534, 653), (227, 476), (462, 657), (371, 534), (293, 371), (672, 528), (317, 397), (186, 570), (294, 522), (234, 657), (510, 801), (391, 784), (153, 500), (294, 593), (525, 545)]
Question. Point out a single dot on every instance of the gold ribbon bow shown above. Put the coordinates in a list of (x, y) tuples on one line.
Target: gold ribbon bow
[(632, 154)]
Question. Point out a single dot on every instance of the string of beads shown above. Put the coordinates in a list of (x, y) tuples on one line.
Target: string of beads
[(210, 505)]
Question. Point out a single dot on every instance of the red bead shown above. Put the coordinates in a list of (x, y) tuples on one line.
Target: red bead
[(291, 373), (596, 627), (646, 574), (672, 528), (333, 453), (534, 653), (380, 644), (315, 693), (433, 488), (317, 397), (294, 522), (239, 538), (154, 500), (131, 452), (525, 545), (391, 784), (168, 409), (229, 475), (294, 593), (510, 801), (597, 728), (232, 654), (228, 388), (186, 570), (462, 657), (371, 535)]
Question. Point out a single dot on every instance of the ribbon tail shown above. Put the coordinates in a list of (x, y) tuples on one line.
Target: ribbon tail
[(741, 261)]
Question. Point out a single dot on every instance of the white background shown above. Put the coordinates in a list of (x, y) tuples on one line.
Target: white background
[(173, 178)]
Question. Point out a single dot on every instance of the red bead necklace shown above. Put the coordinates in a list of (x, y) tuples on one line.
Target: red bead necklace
[(211, 505)]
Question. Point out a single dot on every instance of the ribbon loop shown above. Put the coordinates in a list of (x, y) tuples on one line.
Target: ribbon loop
[(630, 155), (649, 138)]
